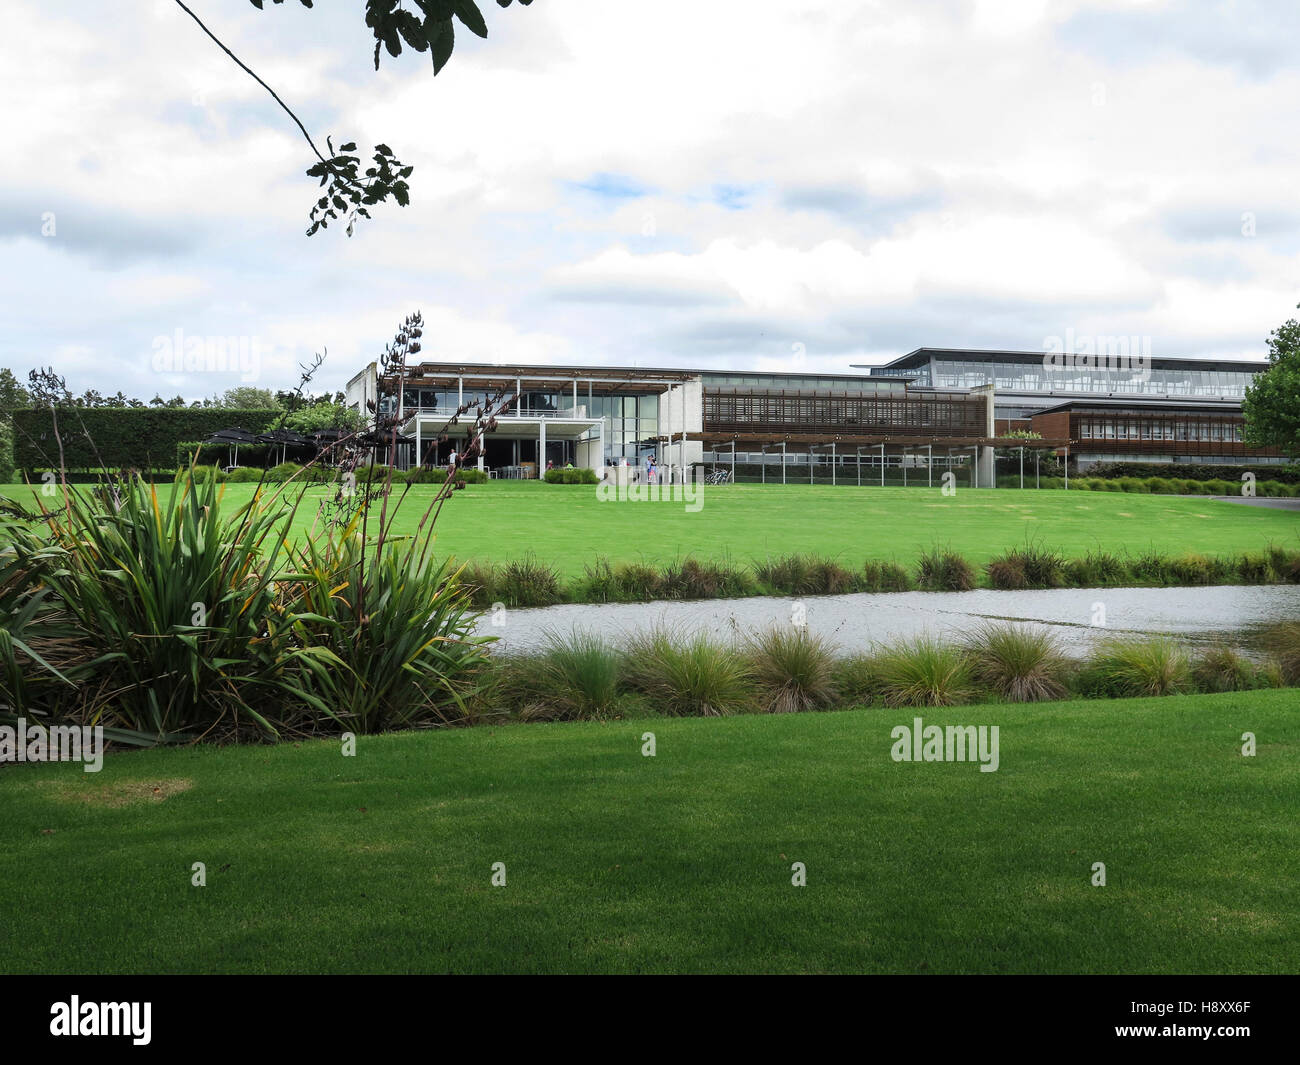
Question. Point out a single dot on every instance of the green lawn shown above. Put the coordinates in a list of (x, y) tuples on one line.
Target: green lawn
[(567, 525), (617, 862)]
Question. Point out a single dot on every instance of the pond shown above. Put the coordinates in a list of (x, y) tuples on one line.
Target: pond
[(1079, 616)]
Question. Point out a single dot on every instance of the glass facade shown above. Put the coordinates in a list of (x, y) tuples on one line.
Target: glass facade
[(790, 381), (631, 422), (1121, 377)]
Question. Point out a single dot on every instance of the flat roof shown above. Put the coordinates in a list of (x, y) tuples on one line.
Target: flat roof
[(921, 357), (1181, 403)]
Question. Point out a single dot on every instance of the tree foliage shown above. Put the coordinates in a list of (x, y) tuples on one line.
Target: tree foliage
[(1272, 402), (348, 190)]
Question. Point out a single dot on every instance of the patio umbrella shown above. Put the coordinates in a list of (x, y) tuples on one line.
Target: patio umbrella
[(232, 438)]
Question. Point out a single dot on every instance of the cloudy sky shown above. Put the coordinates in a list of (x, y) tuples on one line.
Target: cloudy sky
[(763, 185)]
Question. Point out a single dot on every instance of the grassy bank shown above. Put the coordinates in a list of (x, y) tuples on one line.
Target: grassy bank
[(567, 526), (618, 862)]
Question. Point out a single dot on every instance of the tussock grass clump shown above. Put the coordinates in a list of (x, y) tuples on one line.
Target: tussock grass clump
[(1283, 642), (1018, 662), (1285, 564), (1197, 569), (693, 579), (1254, 569), (527, 582), (859, 680), (640, 581), (1222, 669), (481, 583), (885, 577), (1007, 574), (793, 669), (805, 575), (941, 570), (1121, 668), (598, 583), (698, 678), (577, 676), (925, 672), (1151, 567), (1097, 569)]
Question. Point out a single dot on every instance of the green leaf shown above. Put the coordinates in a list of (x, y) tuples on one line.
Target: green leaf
[(443, 45), (467, 11)]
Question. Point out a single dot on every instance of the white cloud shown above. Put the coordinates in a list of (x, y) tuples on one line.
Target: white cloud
[(871, 177)]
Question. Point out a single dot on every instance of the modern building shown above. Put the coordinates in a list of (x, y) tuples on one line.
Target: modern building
[(1117, 406), (930, 409)]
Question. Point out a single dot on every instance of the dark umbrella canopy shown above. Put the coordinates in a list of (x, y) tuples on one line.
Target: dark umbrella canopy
[(232, 438), (285, 439)]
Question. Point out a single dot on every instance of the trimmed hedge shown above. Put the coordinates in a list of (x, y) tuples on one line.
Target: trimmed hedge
[(577, 475), (145, 438), (1162, 486), (1192, 471)]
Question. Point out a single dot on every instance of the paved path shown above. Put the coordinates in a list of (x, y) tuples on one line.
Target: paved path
[(1273, 502)]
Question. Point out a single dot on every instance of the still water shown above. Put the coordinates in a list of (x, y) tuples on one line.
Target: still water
[(1197, 615)]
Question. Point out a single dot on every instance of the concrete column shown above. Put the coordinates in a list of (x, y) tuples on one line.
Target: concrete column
[(541, 447), (986, 477), (418, 454)]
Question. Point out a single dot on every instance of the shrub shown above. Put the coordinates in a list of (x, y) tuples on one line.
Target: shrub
[(577, 475), (1192, 471), (925, 673), (244, 475), (7, 464), (422, 475), (1133, 484), (390, 639), (944, 571), (1162, 486), (1221, 669), (108, 594), (203, 474), (794, 670), (376, 472), (282, 472), (1017, 662), (701, 677), (1154, 666)]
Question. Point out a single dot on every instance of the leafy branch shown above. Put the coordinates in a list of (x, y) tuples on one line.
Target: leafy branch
[(349, 192)]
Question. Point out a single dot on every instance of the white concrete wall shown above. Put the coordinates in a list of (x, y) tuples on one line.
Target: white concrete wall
[(361, 390), (681, 408)]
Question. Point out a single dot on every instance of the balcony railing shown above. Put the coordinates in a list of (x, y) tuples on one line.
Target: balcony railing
[(572, 413)]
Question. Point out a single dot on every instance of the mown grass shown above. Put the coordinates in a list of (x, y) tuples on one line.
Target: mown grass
[(566, 526), (618, 862)]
